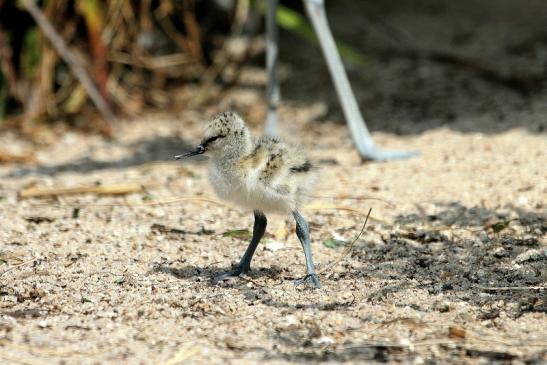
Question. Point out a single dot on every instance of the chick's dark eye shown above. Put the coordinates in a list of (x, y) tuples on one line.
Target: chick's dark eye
[(211, 139)]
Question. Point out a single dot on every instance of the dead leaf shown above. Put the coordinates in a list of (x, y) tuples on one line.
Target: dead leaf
[(113, 189), (332, 243), (238, 233), (8, 157), (282, 232), (39, 219), (456, 332)]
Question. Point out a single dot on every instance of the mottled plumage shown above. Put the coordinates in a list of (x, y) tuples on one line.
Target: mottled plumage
[(266, 176)]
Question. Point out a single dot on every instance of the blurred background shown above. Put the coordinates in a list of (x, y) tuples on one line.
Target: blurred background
[(413, 64), (107, 244)]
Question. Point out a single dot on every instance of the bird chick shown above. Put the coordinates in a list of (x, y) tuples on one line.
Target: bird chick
[(266, 176)]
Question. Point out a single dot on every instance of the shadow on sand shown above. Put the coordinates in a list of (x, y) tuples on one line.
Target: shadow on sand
[(151, 150)]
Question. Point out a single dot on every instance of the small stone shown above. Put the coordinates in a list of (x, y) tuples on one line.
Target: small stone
[(531, 255), (444, 307), (513, 309), (456, 332), (499, 252), (323, 340), (273, 246), (290, 320), (522, 200), (488, 312)]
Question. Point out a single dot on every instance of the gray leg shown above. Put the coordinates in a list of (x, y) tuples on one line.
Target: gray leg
[(359, 132), (272, 89), (245, 262), (303, 233)]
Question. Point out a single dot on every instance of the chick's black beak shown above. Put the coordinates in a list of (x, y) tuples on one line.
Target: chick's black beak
[(198, 151)]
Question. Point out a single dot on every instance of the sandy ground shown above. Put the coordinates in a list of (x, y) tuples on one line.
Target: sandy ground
[(452, 267), (110, 280)]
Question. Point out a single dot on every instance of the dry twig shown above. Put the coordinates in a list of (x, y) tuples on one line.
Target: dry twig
[(500, 288), (161, 202), (6, 64), (114, 189), (16, 266), (7, 157), (349, 248), (359, 198), (222, 58), (323, 206), (79, 71), (182, 355)]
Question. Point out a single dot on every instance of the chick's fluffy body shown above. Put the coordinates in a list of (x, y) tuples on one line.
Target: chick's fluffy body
[(267, 175)]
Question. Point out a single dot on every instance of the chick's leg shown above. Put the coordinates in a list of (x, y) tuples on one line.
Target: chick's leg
[(245, 262), (303, 233)]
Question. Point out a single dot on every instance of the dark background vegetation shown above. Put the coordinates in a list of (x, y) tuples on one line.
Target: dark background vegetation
[(453, 271), (422, 63)]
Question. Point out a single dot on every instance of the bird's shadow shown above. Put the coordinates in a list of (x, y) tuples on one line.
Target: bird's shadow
[(255, 276), (457, 252), (422, 254), (143, 151), (208, 273)]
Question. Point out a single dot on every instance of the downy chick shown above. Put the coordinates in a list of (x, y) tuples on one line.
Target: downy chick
[(266, 176)]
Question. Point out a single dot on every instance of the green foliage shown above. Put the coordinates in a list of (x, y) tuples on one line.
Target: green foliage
[(147, 197), (332, 243), (133, 49), (92, 12), (296, 23), (30, 59), (501, 225), (238, 233)]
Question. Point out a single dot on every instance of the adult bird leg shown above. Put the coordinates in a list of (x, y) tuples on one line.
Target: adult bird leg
[(245, 262), (272, 89), (359, 131)]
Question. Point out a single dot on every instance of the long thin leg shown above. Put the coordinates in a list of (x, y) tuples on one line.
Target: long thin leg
[(303, 233), (272, 89), (359, 131), (245, 262)]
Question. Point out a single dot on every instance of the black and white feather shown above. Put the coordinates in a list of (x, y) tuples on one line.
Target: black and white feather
[(267, 175)]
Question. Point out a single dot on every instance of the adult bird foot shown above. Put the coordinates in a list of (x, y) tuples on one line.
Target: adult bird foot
[(311, 279), (375, 154), (230, 274)]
